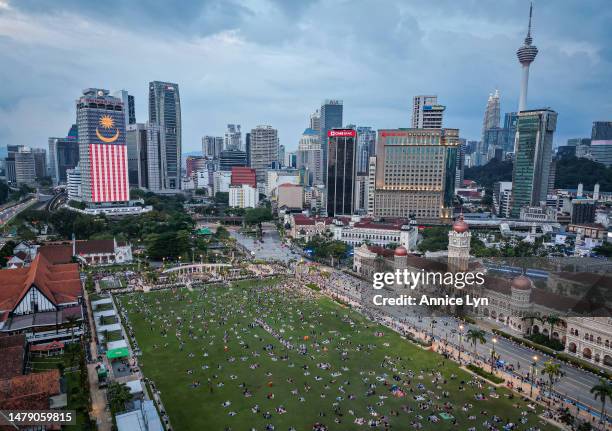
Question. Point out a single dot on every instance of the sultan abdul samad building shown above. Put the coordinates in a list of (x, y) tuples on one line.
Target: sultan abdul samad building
[(515, 305)]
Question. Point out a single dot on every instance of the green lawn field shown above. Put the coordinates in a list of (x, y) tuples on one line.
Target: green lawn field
[(217, 369)]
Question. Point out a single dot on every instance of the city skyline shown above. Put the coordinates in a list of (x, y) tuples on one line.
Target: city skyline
[(276, 91)]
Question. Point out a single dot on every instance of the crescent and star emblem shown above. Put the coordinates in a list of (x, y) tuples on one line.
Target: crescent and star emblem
[(107, 123)]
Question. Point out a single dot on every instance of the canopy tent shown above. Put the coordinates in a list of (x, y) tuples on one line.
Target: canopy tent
[(121, 352)]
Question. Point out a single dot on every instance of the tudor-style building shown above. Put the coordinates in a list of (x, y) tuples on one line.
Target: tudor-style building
[(42, 301)]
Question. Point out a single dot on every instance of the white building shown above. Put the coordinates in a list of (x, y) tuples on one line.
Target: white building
[(243, 196), (221, 181), (310, 157), (361, 230), (73, 183), (426, 113)]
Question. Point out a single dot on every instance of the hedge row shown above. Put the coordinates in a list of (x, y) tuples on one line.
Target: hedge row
[(485, 374), (558, 355)]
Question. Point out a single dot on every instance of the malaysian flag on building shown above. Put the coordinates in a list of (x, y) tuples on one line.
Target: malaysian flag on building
[(109, 173)]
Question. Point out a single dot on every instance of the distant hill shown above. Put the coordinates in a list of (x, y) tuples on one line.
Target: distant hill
[(490, 173), (570, 172)]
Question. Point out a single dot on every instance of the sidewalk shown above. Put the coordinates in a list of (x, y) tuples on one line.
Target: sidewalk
[(99, 408)]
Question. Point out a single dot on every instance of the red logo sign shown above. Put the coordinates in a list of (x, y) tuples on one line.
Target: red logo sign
[(344, 133), (385, 134)]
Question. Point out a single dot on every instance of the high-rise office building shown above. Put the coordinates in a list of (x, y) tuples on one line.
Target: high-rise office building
[(526, 55), (601, 142), (137, 147), (232, 158), (341, 173), (510, 120), (63, 155), (263, 150), (427, 113), (491, 116), (165, 113), (281, 154), (366, 145), (102, 147), (212, 146), (25, 166), (40, 162), (532, 158), (315, 121), (460, 166), (310, 157), (232, 140), (129, 110), (9, 162), (330, 118), (415, 173)]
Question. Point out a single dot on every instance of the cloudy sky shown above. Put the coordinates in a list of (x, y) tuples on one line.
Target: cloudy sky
[(273, 61)]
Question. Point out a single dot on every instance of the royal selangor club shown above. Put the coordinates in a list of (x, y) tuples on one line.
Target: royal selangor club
[(392, 267)]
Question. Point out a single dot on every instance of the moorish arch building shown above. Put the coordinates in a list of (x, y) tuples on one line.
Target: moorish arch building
[(516, 305)]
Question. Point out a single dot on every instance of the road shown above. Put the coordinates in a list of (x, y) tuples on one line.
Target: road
[(574, 384), (272, 247), (7, 214)]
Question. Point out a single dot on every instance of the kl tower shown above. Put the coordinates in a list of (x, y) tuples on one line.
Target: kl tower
[(526, 54)]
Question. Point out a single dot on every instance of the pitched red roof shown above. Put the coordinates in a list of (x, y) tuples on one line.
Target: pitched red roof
[(57, 253), (46, 347), (12, 355), (60, 283), (31, 391), (95, 246)]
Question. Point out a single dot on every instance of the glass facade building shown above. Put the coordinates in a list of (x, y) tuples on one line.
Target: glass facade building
[(341, 171), (165, 112), (330, 118), (533, 158)]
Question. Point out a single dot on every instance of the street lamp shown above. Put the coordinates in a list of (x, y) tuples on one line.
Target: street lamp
[(494, 340), (460, 341), (533, 371), (433, 323)]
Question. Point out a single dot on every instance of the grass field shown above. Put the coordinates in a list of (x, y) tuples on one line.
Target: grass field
[(203, 351)]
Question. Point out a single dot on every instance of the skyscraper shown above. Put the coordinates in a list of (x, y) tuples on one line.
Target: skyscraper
[(129, 109), (315, 121), (426, 113), (526, 55), (510, 120), (601, 142), (212, 146), (102, 147), (491, 116), (25, 166), (165, 112), (63, 155), (415, 173), (341, 171), (330, 117), (40, 162), (366, 146), (264, 150), (310, 157), (232, 139), (532, 158), (137, 147)]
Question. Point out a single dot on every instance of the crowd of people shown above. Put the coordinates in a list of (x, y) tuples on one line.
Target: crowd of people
[(271, 352)]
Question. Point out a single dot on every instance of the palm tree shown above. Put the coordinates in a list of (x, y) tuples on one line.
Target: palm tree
[(552, 320), (118, 395), (475, 336), (553, 370), (602, 391)]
